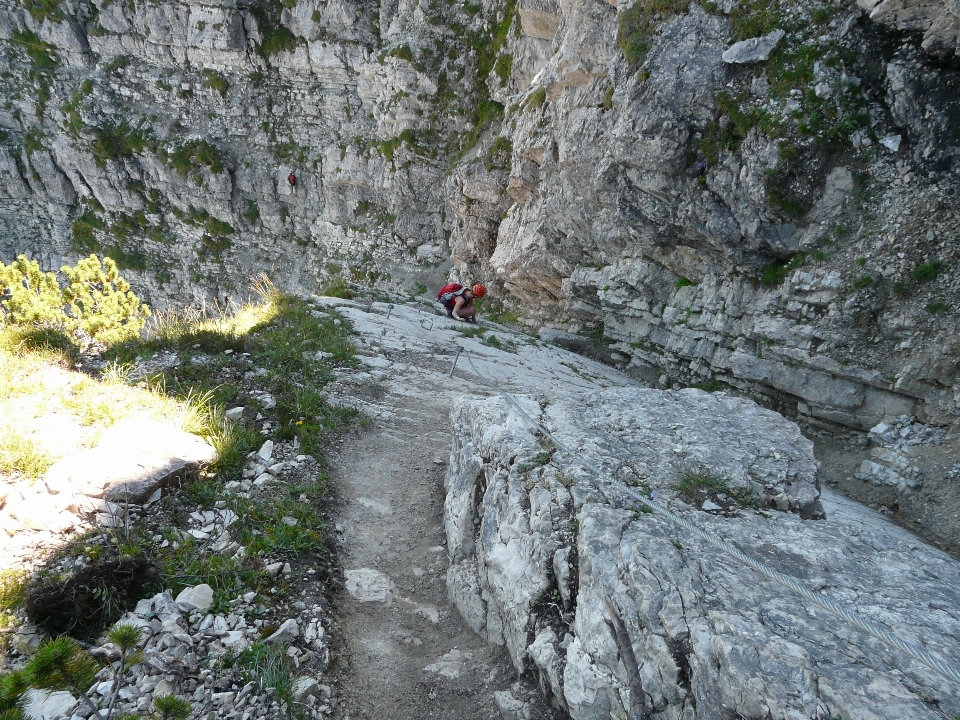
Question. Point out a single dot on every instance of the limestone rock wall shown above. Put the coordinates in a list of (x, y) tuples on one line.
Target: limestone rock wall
[(786, 226), (536, 551), (712, 223), (163, 134)]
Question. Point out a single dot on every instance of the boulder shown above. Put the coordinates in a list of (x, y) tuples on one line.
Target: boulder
[(758, 49), (713, 638), (46, 705)]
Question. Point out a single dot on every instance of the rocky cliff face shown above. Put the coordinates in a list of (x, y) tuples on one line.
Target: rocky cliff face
[(537, 552), (164, 134), (776, 215), (784, 225)]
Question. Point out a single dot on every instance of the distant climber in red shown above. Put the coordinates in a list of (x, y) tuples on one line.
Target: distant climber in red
[(292, 179)]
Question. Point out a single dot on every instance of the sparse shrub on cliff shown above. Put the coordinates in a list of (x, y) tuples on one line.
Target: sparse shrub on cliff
[(499, 153), (774, 273), (503, 67), (192, 155), (115, 141), (637, 25), (96, 303), (44, 9), (275, 37), (214, 80), (43, 55), (927, 271), (535, 99)]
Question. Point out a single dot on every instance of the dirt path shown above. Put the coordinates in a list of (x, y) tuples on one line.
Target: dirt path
[(404, 652)]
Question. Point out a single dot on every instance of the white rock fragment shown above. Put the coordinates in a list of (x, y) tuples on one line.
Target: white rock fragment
[(197, 598), (46, 705), (368, 585), (756, 49), (891, 142), (266, 451), (285, 633)]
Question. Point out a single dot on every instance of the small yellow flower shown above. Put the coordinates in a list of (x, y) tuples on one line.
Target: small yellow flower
[(299, 422)]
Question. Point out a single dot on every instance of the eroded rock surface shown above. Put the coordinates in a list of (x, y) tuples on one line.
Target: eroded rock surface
[(536, 550)]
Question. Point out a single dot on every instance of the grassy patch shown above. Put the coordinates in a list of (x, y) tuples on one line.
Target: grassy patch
[(44, 9), (864, 281), (269, 667), (214, 80), (22, 454), (499, 154), (275, 38), (41, 54), (683, 282), (192, 156), (115, 141), (280, 346), (338, 287), (472, 332), (712, 385), (927, 271), (775, 273), (696, 485), (502, 68), (538, 460)]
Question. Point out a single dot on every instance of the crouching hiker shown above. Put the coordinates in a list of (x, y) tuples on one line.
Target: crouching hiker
[(457, 300)]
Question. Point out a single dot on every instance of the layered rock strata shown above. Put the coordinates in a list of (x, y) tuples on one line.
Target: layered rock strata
[(536, 551)]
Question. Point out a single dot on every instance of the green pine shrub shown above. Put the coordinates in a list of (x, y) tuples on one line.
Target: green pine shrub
[(96, 304)]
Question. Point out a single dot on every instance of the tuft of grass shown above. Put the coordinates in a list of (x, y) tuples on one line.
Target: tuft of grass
[(538, 460), (683, 282), (864, 281), (499, 154), (927, 271), (43, 55), (535, 99), (268, 666), (938, 308), (191, 156), (694, 480), (214, 80), (22, 454), (275, 37), (338, 287), (472, 332), (13, 589), (712, 385)]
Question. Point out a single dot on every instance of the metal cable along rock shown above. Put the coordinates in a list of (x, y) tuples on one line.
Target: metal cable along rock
[(881, 633)]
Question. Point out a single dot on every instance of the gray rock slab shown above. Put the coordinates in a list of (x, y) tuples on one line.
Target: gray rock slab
[(754, 50), (133, 458), (703, 624)]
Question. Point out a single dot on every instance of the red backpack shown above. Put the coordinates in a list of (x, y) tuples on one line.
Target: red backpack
[(447, 293)]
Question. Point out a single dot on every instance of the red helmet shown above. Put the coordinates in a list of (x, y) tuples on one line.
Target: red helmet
[(479, 290)]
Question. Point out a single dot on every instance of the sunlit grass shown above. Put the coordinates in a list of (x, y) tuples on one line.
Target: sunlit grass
[(22, 454)]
